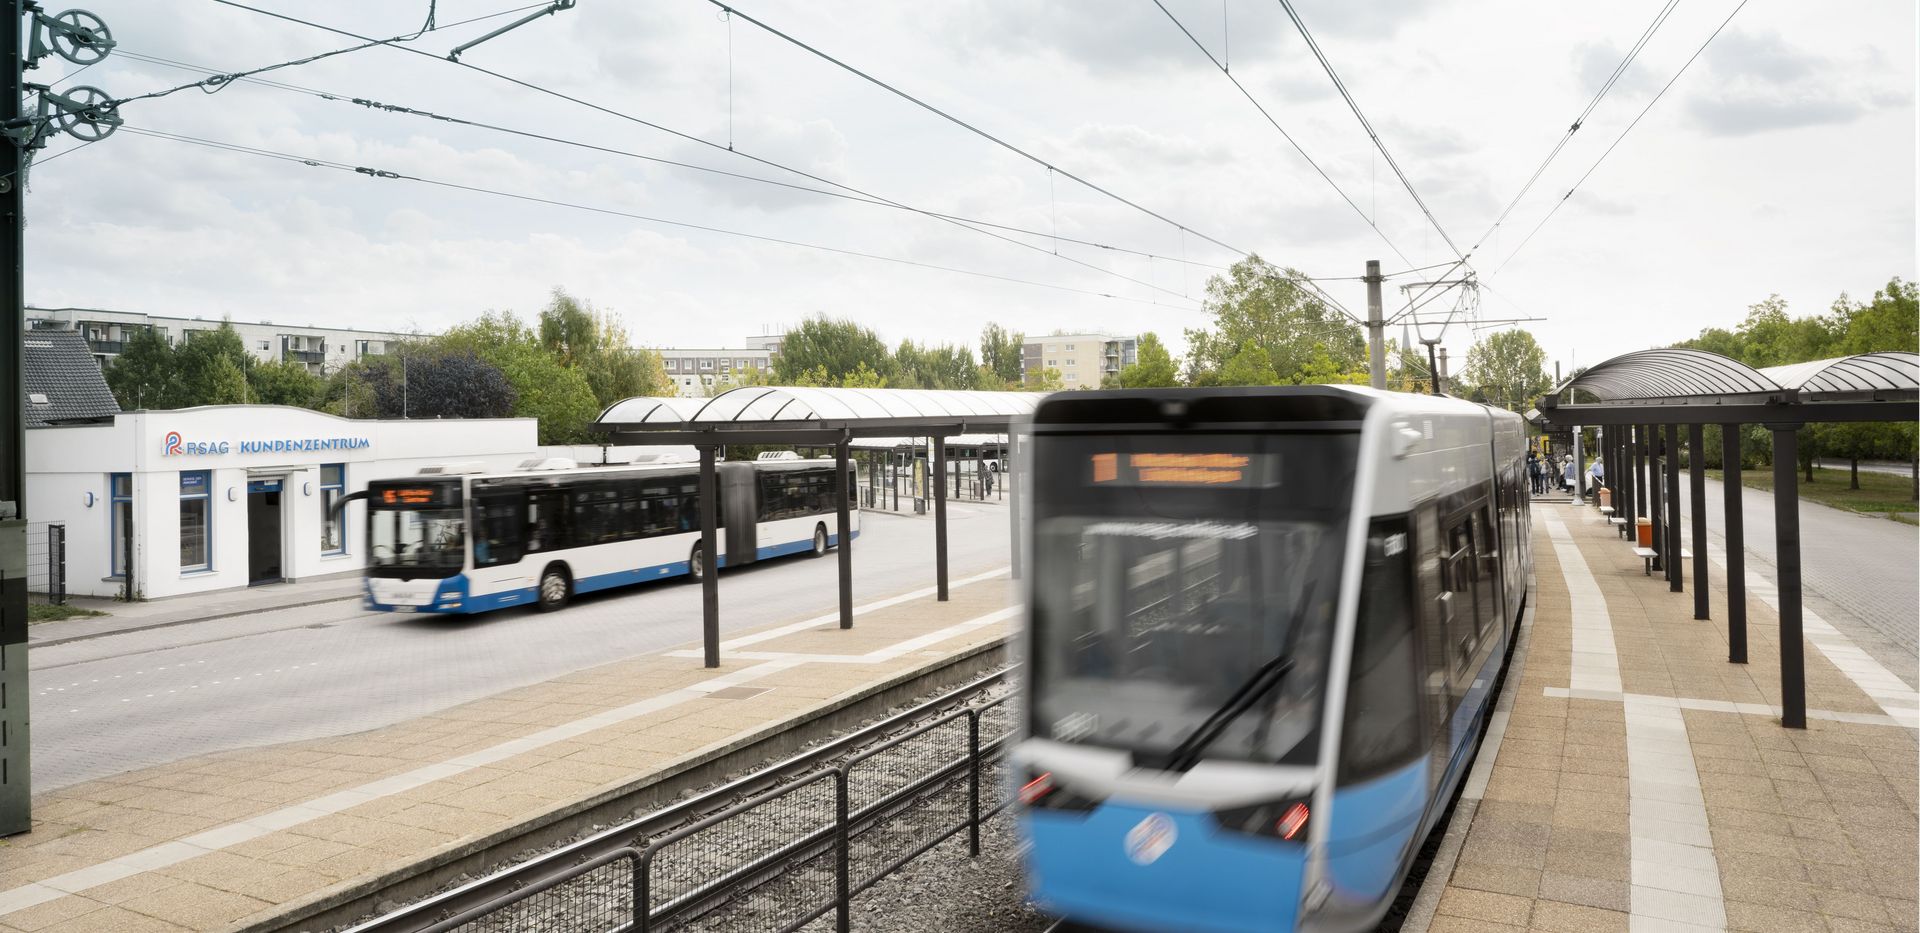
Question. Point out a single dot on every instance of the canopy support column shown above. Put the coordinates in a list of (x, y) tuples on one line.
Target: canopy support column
[(1676, 565), (940, 515), (1786, 525), (1579, 468), (1697, 488), (1736, 545), (1650, 438), (1013, 500), (844, 518), (709, 554)]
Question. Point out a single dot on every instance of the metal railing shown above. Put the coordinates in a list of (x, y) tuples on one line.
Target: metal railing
[(47, 563), (783, 847)]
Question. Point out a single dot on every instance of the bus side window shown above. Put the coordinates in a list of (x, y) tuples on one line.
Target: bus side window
[(497, 539), (546, 520)]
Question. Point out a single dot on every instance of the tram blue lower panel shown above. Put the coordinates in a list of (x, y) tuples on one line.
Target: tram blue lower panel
[(1374, 823), (1208, 881)]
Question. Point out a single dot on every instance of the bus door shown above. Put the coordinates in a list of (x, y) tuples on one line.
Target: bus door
[(499, 540), (739, 512)]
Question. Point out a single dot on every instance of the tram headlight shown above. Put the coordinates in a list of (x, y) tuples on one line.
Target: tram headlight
[(1285, 820), (1041, 791)]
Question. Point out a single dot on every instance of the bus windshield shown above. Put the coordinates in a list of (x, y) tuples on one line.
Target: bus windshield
[(416, 529), (1168, 570)]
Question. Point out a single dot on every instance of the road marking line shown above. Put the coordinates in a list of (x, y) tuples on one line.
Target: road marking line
[(1668, 838), (790, 628)]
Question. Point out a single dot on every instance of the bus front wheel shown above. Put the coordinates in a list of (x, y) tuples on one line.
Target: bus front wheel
[(555, 588)]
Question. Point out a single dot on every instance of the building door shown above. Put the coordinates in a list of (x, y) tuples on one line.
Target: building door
[(265, 563)]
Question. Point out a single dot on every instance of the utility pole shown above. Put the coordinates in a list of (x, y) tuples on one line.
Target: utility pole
[(1445, 380), (1376, 355), (16, 811), (88, 114)]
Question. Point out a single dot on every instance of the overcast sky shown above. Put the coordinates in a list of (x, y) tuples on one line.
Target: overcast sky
[(1782, 161)]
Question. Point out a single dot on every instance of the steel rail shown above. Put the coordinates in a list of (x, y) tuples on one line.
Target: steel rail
[(427, 914)]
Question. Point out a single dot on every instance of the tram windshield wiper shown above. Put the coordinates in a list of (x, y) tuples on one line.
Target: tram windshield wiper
[(1264, 681)]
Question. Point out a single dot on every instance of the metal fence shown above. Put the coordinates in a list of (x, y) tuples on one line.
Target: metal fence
[(47, 560), (795, 846)]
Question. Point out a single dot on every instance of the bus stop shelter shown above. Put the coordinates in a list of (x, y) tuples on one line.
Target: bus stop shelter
[(1643, 402), (814, 417)]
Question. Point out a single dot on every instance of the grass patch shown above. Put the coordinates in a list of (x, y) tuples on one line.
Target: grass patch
[(47, 612), (1884, 494)]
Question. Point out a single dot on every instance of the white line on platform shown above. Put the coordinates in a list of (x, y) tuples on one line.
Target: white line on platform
[(1728, 706), (1886, 688), (1675, 875), (221, 837)]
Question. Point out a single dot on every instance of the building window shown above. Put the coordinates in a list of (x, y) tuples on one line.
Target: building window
[(673, 366), (263, 345), (120, 508), (333, 485), (1069, 346), (195, 505), (706, 364), (1053, 362), (1069, 361)]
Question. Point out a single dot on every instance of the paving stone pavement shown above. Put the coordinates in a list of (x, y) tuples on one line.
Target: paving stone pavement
[(221, 840), (1665, 804)]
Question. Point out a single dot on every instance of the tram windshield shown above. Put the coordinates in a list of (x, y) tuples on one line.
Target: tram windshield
[(416, 529), (1168, 570)]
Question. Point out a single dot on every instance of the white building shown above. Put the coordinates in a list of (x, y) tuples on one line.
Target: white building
[(232, 495), (1082, 359), (696, 373), (322, 349)]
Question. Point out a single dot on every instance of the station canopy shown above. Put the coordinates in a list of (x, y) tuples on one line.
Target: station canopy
[(798, 414), (1696, 386)]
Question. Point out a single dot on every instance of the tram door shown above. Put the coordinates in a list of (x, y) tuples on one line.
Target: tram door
[(265, 557)]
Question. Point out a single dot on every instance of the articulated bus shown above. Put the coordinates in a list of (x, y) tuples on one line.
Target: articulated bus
[(452, 541)]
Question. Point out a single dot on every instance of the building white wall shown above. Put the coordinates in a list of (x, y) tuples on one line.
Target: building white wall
[(65, 464)]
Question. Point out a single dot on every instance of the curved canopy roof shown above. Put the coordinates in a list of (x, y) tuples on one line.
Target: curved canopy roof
[(1682, 374), (799, 409), (1681, 386), (651, 409)]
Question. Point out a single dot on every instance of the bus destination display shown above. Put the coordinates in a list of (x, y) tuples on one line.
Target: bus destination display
[(418, 497)]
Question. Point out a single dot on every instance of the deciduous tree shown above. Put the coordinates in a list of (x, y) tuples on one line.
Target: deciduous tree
[(1153, 366), (1509, 367)]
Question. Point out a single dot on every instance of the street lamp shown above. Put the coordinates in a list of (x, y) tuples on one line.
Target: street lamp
[(1436, 329)]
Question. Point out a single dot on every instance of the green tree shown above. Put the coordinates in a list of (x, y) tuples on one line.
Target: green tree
[(1046, 380), (838, 347), (1276, 311), (560, 397), (933, 367), (210, 368), (1249, 367), (285, 382), (145, 375), (1890, 322), (1153, 366), (1000, 351), (1509, 367), (595, 344)]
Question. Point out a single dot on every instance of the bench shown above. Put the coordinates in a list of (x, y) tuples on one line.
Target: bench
[(1647, 554), (1620, 524)]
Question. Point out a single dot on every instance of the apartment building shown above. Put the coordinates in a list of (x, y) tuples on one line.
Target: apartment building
[(696, 372), (1082, 359), (320, 349)]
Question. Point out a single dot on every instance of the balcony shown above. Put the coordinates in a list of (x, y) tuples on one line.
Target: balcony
[(304, 356), (107, 347)]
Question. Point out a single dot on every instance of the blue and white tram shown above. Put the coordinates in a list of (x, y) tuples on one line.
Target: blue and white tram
[(460, 543), (1263, 629)]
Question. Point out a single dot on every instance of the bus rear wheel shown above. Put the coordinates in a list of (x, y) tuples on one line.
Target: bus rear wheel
[(820, 540), (696, 564), (555, 588)]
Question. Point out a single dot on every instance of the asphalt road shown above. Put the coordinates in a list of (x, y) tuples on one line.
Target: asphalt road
[(1860, 573), (133, 700)]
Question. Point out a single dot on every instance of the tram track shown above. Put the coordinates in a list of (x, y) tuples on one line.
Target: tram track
[(525, 857)]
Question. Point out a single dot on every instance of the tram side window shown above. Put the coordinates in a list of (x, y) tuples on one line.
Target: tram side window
[(499, 534), (1382, 722), (1461, 575)]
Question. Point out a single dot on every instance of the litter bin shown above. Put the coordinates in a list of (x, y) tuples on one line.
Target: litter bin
[(1606, 497), (1644, 528)]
